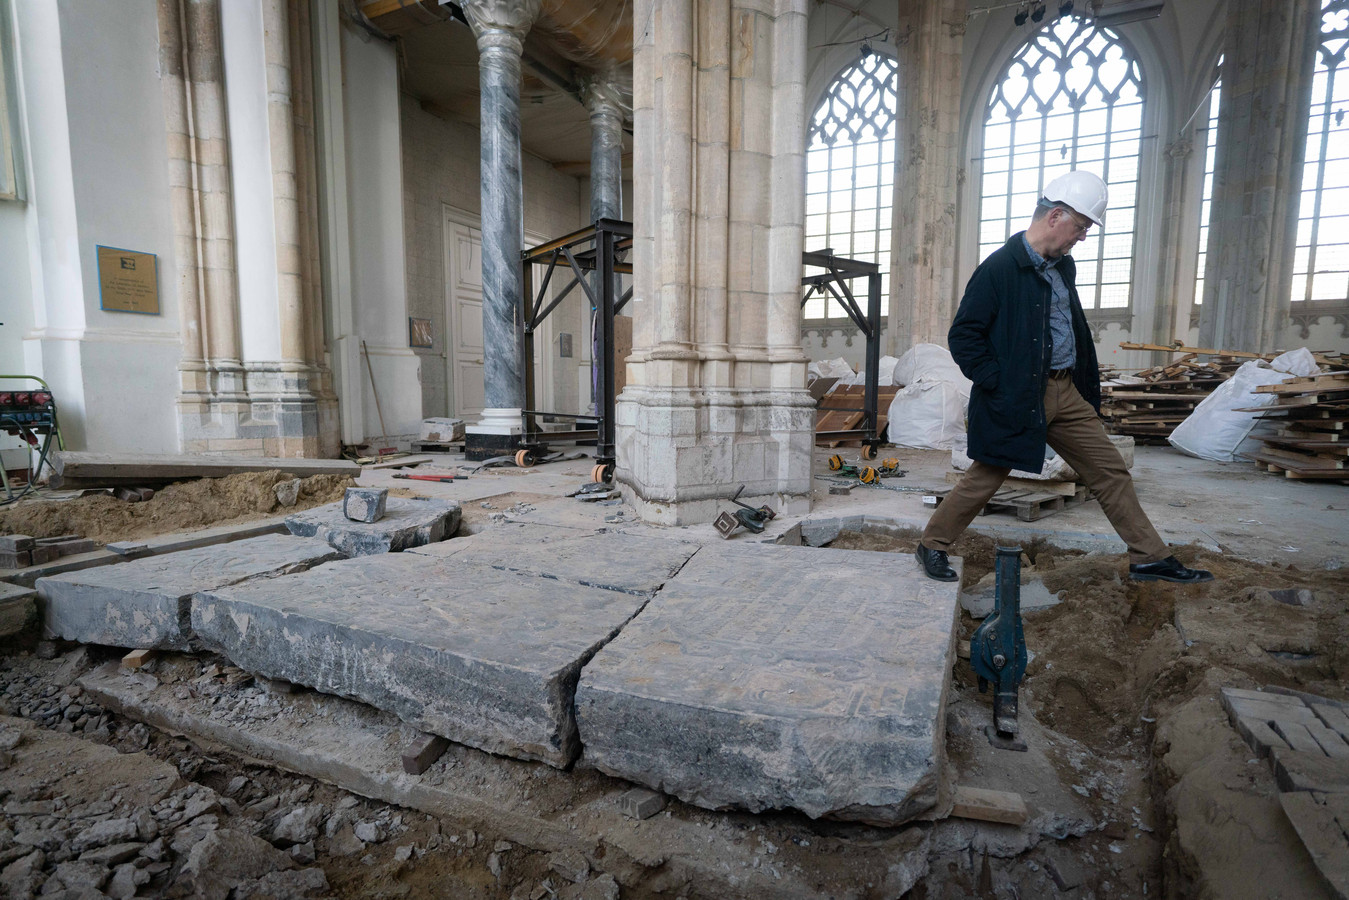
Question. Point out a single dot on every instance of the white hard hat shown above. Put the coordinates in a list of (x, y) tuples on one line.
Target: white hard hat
[(1084, 192)]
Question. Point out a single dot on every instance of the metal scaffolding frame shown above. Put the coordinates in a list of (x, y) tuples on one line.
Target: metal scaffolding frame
[(833, 283), (603, 248)]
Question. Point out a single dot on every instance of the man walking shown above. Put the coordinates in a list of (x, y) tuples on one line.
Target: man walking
[(1020, 335)]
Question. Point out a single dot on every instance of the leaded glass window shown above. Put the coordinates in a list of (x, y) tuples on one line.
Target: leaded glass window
[(1210, 146), (1321, 261), (1070, 98), (850, 169)]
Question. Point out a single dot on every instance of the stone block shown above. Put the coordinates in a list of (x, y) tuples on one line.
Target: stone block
[(146, 602), (634, 564), (1328, 740), (16, 559), (752, 682), (18, 608), (1297, 771), (423, 753), (406, 523), (128, 548), (365, 504), (1258, 735), (442, 430), (481, 656), (640, 803), (44, 555), (13, 543), (68, 545)]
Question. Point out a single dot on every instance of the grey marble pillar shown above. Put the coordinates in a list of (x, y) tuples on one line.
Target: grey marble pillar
[(608, 100), (500, 26)]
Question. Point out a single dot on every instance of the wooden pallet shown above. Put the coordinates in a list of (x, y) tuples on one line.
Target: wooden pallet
[(1301, 467), (1028, 505), (438, 446)]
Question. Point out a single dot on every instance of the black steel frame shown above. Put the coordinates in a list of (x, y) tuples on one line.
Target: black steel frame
[(833, 282), (602, 247)]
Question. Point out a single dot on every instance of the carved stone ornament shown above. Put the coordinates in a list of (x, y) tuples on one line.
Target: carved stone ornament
[(515, 17), (609, 91)]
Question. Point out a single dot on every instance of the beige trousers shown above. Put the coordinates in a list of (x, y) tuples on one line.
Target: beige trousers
[(1076, 434)]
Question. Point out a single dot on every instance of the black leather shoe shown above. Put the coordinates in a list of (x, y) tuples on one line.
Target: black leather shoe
[(935, 564), (1169, 569)]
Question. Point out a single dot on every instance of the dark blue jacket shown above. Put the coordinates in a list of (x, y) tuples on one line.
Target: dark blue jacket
[(1000, 339)]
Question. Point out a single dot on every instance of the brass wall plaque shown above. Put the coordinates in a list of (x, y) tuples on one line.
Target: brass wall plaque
[(127, 281)]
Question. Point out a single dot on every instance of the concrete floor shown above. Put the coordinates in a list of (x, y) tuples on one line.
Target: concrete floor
[(1229, 507)]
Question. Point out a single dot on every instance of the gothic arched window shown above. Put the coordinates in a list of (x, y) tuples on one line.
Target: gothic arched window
[(1071, 98), (1321, 261), (1210, 147), (850, 169)]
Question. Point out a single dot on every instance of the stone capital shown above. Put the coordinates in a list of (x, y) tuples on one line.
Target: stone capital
[(492, 20), (608, 92)]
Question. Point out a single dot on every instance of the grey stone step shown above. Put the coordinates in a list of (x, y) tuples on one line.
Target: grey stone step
[(635, 564), (482, 656), (145, 602), (406, 523), (754, 680)]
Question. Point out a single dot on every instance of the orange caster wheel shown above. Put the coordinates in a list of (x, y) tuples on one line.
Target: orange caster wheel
[(868, 451), (602, 473), (525, 458)]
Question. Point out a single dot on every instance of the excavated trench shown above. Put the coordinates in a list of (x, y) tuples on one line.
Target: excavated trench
[(1121, 699)]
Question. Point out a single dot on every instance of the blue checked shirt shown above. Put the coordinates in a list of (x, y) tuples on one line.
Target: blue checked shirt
[(1064, 353)]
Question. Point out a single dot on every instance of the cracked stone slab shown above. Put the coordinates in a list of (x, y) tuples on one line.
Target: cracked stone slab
[(406, 523), (634, 564), (753, 681), (481, 656), (146, 602)]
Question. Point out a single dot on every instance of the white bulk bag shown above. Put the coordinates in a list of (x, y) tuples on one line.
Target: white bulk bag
[(1215, 430), (928, 414)]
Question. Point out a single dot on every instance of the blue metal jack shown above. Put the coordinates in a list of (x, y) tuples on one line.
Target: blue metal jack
[(998, 651)]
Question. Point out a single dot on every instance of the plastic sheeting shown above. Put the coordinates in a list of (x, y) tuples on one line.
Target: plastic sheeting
[(929, 411)]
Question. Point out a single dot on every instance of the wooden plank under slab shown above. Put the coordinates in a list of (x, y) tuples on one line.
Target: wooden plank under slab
[(141, 468), (988, 806)]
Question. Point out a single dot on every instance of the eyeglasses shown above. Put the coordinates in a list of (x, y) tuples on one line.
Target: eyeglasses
[(1083, 226)]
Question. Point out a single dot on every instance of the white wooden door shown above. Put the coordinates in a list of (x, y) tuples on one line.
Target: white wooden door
[(463, 317)]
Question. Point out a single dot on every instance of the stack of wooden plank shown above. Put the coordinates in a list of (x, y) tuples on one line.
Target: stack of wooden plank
[(1150, 409), (1312, 414), (837, 411)]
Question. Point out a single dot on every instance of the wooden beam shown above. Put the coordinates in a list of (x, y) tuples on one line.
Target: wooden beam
[(989, 806)]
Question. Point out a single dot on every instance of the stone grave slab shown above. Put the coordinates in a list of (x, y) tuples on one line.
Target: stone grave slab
[(481, 656), (146, 602), (782, 677), (634, 564), (406, 523)]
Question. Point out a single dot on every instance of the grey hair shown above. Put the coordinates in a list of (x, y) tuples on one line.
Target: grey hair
[(1044, 206)]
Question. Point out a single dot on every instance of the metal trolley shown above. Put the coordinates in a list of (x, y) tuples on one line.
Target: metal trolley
[(603, 248), (833, 282)]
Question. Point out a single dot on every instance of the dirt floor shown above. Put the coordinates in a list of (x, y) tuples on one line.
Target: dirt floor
[(184, 506), (1123, 686)]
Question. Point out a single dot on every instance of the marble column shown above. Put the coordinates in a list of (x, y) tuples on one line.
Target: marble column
[(1262, 131), (500, 27), (927, 174), (716, 382), (608, 99)]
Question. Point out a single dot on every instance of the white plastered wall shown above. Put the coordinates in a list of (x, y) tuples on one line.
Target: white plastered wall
[(441, 170), (96, 152)]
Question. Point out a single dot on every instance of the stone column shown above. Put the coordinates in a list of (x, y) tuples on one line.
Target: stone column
[(716, 383), (192, 72), (927, 174), (609, 101), (500, 26), (1262, 133)]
